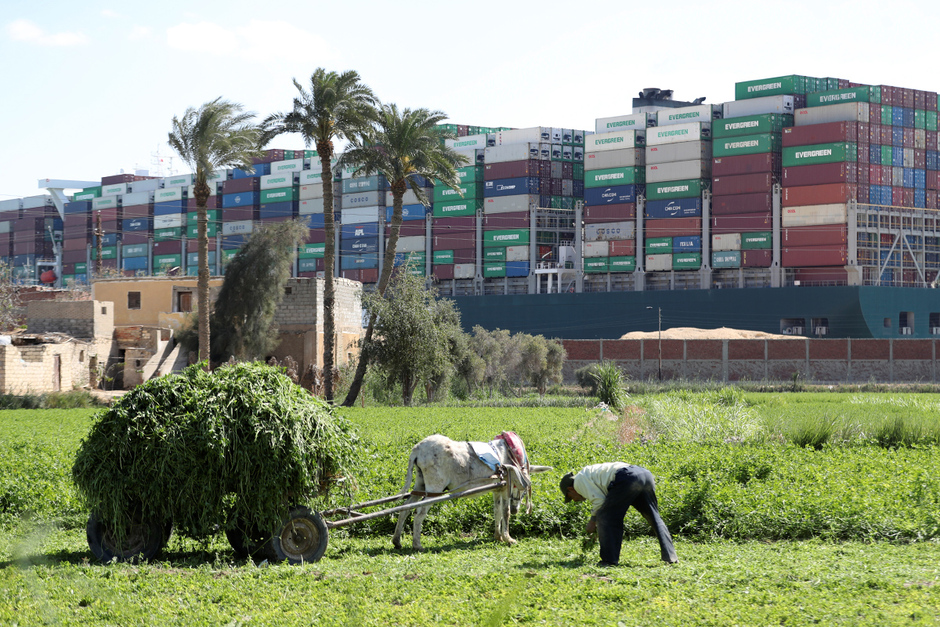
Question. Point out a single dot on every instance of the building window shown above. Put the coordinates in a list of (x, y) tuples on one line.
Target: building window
[(133, 300), (288, 291), (104, 311), (184, 301)]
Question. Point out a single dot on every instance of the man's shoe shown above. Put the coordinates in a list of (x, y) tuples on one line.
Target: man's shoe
[(603, 564)]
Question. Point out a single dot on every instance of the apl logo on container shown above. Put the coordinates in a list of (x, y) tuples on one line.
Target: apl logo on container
[(359, 232)]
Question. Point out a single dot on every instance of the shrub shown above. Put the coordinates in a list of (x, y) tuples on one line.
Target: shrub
[(610, 388)]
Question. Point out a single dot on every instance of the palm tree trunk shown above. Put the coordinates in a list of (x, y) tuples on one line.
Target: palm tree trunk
[(201, 192), (398, 192), (325, 150)]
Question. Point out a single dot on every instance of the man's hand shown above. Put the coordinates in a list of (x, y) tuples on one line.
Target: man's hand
[(591, 526)]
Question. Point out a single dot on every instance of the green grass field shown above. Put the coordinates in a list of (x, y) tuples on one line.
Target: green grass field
[(767, 532)]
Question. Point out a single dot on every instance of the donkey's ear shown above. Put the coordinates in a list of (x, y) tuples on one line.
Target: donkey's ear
[(534, 469)]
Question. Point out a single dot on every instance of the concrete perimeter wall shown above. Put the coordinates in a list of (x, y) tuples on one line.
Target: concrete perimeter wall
[(816, 361)]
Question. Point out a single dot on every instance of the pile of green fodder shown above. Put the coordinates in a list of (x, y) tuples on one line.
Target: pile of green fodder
[(208, 451)]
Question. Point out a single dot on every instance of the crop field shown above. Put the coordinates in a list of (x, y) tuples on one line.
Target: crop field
[(787, 509)]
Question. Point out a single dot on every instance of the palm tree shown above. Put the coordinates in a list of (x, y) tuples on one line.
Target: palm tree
[(403, 146), (216, 135), (337, 107)]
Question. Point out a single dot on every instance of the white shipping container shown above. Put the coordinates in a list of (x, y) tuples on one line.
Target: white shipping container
[(606, 231), (726, 241), (684, 115), (5, 226), (516, 152), (166, 195), (658, 263), (843, 112), (616, 140), (473, 157), (470, 142), (626, 158), (307, 207), (465, 270), (758, 106), (177, 181), (507, 204), (114, 190), (306, 192), (137, 198), (361, 214), (679, 171), (814, 215), (683, 151), (238, 227), (674, 133), (290, 165), (517, 253), (410, 244), (533, 135), (274, 181), (11, 205), (596, 249), (169, 221), (147, 185), (349, 171), (363, 199), (409, 198), (621, 123), (107, 202)]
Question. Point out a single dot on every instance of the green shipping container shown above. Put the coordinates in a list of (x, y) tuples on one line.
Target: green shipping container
[(780, 85), (212, 229), (280, 194), (307, 264), (726, 259), (134, 250), (920, 118), (931, 122), (506, 237), (837, 96), (416, 258), (595, 265), (88, 193), (107, 252), (494, 254), (467, 191), (614, 176), (622, 263), (165, 235), (577, 169), (442, 257), (819, 153), (750, 125), (756, 241), (163, 262), (887, 115), (494, 269), (686, 261), (887, 155), (691, 188), (468, 174), (211, 214), (658, 245), (311, 251), (455, 209), (81, 268), (746, 145), (227, 254)]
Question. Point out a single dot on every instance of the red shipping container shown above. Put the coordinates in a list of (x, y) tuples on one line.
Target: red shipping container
[(510, 220), (822, 173), (932, 140), (829, 194), (821, 276), (459, 223), (135, 237), (743, 184), (107, 215), (24, 247), (933, 179), (742, 223), (746, 164), (211, 203), (465, 255), (742, 203), (116, 179), (515, 169), (909, 141), (316, 236), (874, 174), (453, 241), (192, 245), (409, 228), (908, 98), (108, 264), (168, 248), (236, 186), (352, 275), (621, 247), (920, 99), (271, 154), (799, 256), (674, 227), (756, 258), (236, 214), (827, 133), (137, 211), (369, 275), (887, 135), (920, 158), (932, 199), (443, 272), (897, 196), (930, 100), (874, 133), (874, 113), (5, 246), (72, 244), (76, 256), (28, 225), (610, 213), (77, 219), (907, 197), (68, 268), (815, 235)]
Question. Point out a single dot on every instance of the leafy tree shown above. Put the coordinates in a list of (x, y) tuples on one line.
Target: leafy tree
[(413, 342), (216, 135), (243, 320), (9, 298), (499, 351), (405, 146), (515, 359), (541, 362), (336, 107)]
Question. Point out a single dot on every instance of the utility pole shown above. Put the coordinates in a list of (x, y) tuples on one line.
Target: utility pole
[(99, 234), (660, 344)]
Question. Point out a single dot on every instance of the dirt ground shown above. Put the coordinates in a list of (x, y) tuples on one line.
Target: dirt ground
[(692, 333)]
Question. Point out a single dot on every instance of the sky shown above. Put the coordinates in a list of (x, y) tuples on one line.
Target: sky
[(90, 88)]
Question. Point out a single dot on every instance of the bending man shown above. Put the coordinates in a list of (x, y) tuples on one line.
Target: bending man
[(612, 488)]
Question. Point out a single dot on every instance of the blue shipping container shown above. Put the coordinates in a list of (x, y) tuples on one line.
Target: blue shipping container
[(364, 184), (316, 220), (874, 154), (230, 242), (908, 177), (356, 231), (78, 206), (920, 179), (241, 199), (920, 198), (359, 262), (168, 208), (511, 187), (408, 212), (135, 263), (517, 268), (674, 208), (687, 244), (908, 117), (618, 194), (359, 245), (135, 224), (108, 239), (261, 169), (283, 209), (897, 136)]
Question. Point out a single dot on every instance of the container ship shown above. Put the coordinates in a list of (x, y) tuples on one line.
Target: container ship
[(806, 206)]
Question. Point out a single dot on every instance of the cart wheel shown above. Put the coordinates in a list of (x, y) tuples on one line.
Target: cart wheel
[(251, 542), (144, 540), (302, 538)]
